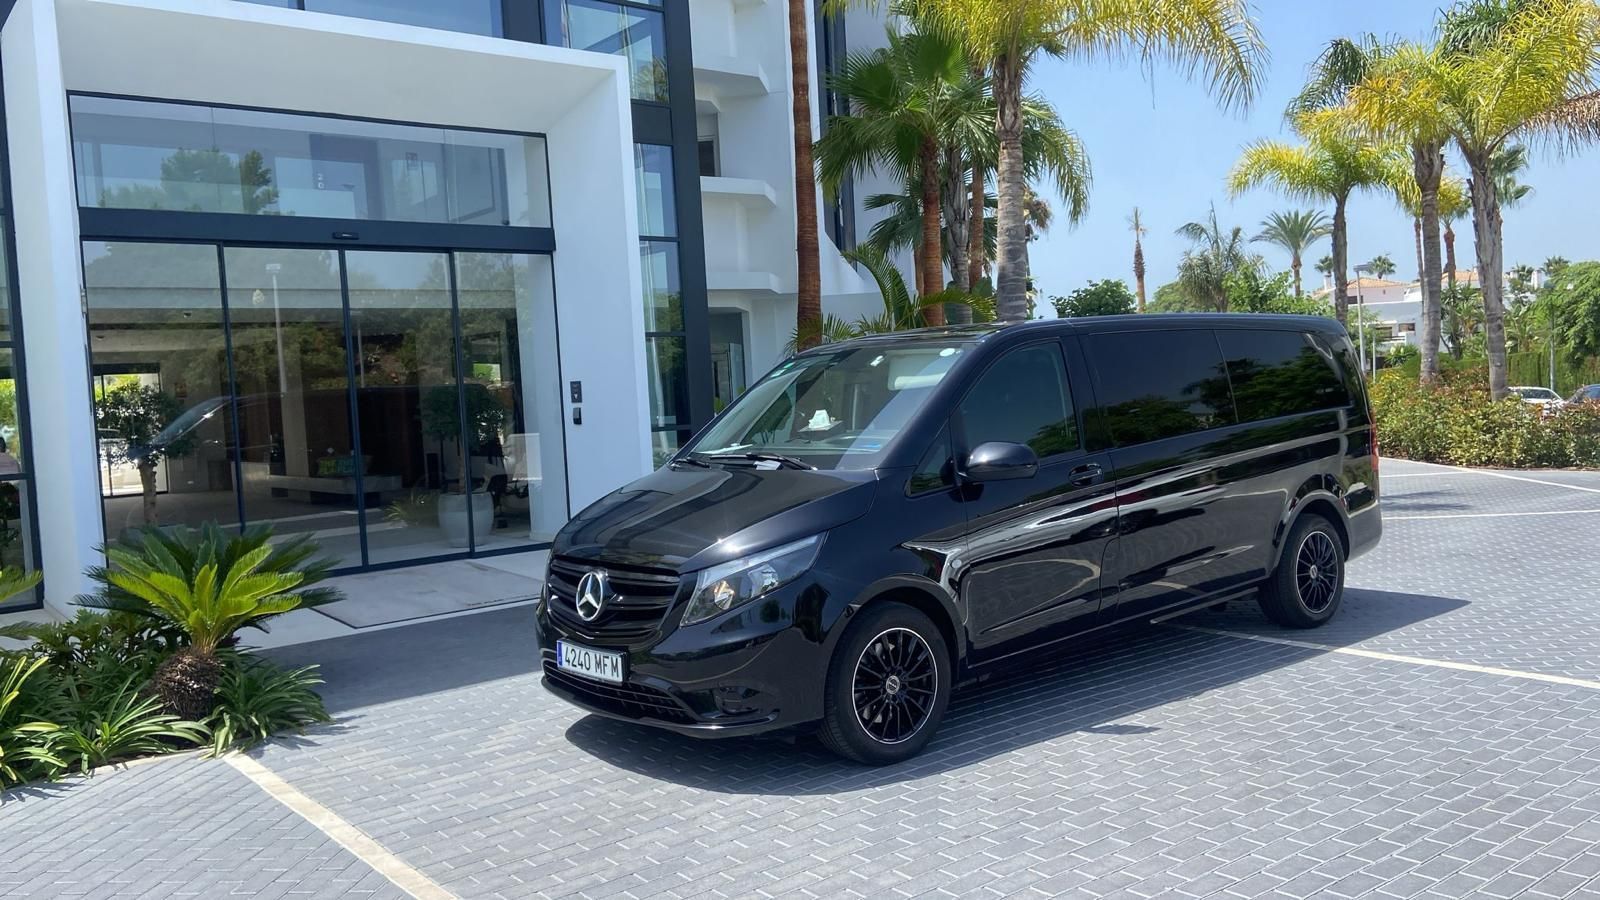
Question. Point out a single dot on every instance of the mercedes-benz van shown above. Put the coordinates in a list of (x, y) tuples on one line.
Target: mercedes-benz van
[(879, 520)]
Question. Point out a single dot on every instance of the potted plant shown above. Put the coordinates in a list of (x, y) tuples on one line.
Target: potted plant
[(441, 418), (139, 415)]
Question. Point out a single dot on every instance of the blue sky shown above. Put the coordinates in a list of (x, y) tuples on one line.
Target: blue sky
[(1163, 145)]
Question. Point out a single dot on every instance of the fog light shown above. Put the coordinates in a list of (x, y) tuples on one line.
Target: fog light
[(735, 700)]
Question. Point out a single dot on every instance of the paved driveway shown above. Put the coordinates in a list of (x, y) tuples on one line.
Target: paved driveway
[(1441, 739)]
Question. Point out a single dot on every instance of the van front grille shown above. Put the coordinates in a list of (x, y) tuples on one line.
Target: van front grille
[(634, 612)]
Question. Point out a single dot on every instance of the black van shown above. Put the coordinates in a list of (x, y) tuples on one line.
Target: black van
[(877, 520)]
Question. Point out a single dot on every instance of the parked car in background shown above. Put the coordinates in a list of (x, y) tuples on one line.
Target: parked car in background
[(1544, 398), (879, 520), (1587, 394)]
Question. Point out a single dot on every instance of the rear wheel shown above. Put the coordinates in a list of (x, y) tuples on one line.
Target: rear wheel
[(888, 685), (1308, 586)]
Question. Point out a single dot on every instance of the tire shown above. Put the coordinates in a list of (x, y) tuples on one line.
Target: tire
[(1306, 589), (890, 657)]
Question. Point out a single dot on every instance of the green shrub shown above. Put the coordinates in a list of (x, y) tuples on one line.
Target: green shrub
[(25, 740), (256, 700), (119, 726), (1455, 422)]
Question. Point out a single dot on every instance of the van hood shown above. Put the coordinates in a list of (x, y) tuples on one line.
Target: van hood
[(687, 519)]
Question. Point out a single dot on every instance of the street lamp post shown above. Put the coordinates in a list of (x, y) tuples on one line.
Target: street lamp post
[(1361, 322)]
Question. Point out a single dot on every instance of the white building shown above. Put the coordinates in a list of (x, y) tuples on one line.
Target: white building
[(417, 278)]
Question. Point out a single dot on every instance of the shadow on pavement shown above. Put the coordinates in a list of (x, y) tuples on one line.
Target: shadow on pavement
[(1098, 688), (1418, 502)]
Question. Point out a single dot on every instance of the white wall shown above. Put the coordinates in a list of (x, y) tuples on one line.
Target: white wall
[(45, 217)]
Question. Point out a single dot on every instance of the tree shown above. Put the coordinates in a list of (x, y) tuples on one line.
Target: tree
[(1512, 70), (910, 104), (1325, 265), (1101, 298), (138, 414), (1553, 266), (1381, 266), (808, 263), (1138, 254), (1462, 309), (1294, 231), (1215, 39), (1505, 166), (1218, 254), (1577, 296), (1327, 167)]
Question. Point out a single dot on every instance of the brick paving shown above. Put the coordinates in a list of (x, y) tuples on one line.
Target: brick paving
[(1165, 763)]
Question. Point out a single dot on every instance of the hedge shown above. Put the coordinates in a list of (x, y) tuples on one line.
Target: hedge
[(1455, 422)]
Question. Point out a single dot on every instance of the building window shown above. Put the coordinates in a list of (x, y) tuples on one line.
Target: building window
[(471, 16), (150, 155), (666, 337), (17, 530), (635, 30)]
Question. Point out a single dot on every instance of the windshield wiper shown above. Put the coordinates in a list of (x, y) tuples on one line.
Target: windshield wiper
[(691, 460), (787, 462)]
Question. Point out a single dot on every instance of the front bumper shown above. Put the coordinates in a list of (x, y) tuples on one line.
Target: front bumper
[(751, 672)]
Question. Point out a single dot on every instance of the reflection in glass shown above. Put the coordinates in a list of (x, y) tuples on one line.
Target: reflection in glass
[(297, 459), (669, 381), (471, 16), (159, 369), (663, 301), (637, 34), (409, 408), (509, 340), (652, 170), (11, 461), (663, 444), (16, 535), (140, 154), (5, 277)]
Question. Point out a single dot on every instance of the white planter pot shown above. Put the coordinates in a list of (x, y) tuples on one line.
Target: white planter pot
[(453, 517)]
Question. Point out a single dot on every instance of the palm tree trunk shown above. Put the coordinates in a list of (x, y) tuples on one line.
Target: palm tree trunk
[(932, 259), (1416, 228), (1428, 162), (1450, 254), (1486, 227), (1011, 288), (1341, 250), (808, 306), (977, 243), (1294, 263), (957, 214), (1138, 270)]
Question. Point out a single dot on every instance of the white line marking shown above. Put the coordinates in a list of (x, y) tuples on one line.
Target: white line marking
[(1506, 475), (346, 835), (1552, 512), (1393, 657), (1426, 474)]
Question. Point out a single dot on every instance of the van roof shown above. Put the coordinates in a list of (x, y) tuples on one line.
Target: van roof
[(1096, 324)]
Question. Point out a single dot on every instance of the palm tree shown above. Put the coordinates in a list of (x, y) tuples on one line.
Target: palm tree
[(1508, 71), (1138, 255), (1215, 38), (1392, 101), (909, 102), (1327, 167), (1294, 231), (1381, 266), (1325, 265), (1505, 166), (808, 264), (1218, 255)]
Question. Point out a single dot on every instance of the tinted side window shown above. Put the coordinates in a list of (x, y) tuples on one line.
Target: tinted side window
[(1023, 399), (1160, 384), (1280, 373), (937, 470)]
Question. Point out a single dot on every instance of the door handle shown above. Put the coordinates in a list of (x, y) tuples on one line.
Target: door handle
[(1085, 475)]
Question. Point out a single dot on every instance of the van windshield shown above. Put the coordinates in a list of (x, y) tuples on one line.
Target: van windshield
[(835, 410)]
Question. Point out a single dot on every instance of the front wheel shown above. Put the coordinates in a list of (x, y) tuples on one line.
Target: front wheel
[(1308, 586), (888, 685)]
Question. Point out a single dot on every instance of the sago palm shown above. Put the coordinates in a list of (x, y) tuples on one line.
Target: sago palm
[(1215, 40), (1295, 231), (208, 584)]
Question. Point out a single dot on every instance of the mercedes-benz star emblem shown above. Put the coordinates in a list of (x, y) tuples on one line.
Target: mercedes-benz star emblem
[(592, 590)]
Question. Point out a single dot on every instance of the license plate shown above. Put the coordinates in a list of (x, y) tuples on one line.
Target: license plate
[(588, 662)]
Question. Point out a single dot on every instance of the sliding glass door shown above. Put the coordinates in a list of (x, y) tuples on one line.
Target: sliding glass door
[(398, 406)]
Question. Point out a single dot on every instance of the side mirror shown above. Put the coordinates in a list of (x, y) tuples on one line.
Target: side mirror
[(999, 461)]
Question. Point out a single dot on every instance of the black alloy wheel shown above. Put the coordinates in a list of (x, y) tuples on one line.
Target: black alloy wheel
[(888, 683), (1316, 571), (896, 681), (1308, 586)]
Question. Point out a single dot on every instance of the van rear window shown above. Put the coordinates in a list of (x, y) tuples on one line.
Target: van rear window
[(1280, 373)]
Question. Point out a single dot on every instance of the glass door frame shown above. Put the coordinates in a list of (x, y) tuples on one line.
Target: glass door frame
[(450, 254)]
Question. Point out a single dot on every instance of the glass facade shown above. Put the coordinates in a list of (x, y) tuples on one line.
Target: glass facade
[(382, 401), (634, 30), (666, 341), (140, 154)]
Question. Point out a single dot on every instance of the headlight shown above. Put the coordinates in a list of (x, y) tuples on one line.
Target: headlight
[(721, 588)]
